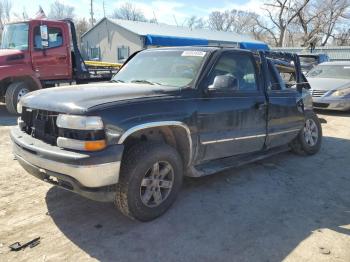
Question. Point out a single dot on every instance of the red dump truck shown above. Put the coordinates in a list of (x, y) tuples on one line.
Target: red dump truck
[(43, 53)]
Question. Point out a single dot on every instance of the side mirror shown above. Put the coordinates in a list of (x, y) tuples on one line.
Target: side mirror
[(44, 36), (224, 82)]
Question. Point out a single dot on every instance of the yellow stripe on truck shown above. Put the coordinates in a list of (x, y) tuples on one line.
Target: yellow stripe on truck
[(103, 64)]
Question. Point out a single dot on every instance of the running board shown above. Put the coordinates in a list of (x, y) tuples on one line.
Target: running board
[(218, 165)]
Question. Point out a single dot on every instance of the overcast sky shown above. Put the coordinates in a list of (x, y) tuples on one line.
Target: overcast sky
[(165, 11)]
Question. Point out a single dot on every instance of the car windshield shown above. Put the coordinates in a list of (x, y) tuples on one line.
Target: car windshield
[(330, 71), (15, 36), (162, 67)]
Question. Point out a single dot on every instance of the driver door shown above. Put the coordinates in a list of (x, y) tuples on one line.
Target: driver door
[(52, 62), (232, 120)]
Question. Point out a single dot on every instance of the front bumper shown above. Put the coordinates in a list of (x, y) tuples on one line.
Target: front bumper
[(340, 104), (91, 174)]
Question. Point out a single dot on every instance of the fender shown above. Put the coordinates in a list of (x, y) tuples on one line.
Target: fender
[(24, 72), (136, 128)]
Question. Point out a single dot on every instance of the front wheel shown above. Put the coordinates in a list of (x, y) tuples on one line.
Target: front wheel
[(308, 141), (14, 93), (150, 179)]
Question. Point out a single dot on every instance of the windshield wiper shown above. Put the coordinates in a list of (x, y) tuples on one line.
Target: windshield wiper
[(144, 82), (117, 81)]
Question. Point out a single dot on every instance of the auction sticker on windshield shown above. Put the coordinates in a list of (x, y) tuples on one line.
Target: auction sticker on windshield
[(193, 53)]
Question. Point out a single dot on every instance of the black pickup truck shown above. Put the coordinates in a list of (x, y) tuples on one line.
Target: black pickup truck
[(168, 113)]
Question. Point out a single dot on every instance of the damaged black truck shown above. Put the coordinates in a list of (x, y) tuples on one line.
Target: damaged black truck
[(168, 113)]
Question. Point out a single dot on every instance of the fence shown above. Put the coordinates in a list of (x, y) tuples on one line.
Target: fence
[(335, 53)]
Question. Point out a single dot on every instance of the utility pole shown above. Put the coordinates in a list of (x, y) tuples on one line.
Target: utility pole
[(91, 13), (104, 10)]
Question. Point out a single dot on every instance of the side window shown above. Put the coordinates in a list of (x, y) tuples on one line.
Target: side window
[(275, 85), (55, 37), (123, 53), (240, 67), (94, 53), (289, 79)]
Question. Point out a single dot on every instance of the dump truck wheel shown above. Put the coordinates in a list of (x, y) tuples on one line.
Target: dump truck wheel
[(14, 93)]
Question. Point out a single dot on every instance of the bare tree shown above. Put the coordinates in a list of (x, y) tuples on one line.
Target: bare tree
[(233, 20), (5, 10), (221, 21), (310, 21), (280, 14), (61, 11), (129, 12), (337, 10), (195, 22), (81, 26)]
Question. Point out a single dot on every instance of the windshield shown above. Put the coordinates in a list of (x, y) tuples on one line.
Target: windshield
[(162, 67), (330, 71), (15, 36)]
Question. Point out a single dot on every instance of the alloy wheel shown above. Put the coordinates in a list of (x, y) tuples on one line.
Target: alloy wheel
[(157, 184), (310, 132)]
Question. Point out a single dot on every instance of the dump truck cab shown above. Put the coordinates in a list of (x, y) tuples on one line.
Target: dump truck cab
[(39, 53)]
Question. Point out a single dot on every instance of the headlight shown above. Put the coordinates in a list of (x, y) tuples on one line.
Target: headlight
[(79, 122), (342, 92), (19, 108)]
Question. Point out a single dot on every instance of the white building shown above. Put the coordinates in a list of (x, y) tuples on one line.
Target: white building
[(113, 40)]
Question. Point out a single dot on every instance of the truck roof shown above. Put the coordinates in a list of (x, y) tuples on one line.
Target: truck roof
[(34, 20)]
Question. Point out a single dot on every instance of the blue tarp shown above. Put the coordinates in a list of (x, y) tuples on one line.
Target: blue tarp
[(159, 40), (254, 46)]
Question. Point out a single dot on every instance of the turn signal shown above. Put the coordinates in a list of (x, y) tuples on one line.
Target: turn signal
[(68, 143), (95, 145)]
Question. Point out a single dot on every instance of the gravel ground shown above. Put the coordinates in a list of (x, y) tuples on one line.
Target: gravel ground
[(286, 207)]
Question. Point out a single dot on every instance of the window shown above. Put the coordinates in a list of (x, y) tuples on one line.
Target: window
[(240, 67), (123, 53), (15, 36), (54, 34), (95, 53)]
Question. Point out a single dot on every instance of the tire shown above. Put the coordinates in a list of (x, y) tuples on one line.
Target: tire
[(138, 189), (13, 93), (303, 144)]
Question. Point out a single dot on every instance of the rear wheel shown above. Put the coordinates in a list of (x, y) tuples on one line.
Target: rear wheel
[(150, 179), (14, 93), (308, 141)]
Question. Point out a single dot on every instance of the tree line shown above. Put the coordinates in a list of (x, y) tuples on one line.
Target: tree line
[(281, 22)]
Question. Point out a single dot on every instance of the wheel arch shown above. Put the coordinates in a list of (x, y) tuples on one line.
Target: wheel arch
[(32, 82), (175, 133)]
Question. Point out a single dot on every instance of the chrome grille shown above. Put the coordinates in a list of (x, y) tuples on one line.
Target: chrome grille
[(318, 93)]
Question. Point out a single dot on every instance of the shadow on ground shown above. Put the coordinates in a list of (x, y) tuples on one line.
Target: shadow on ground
[(260, 212), (6, 119)]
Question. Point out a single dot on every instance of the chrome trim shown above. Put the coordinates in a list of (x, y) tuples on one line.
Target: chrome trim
[(158, 124), (284, 132), (231, 139), (247, 137), (87, 175)]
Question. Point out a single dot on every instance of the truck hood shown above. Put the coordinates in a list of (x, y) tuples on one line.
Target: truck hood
[(80, 98), (328, 83), (13, 53)]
